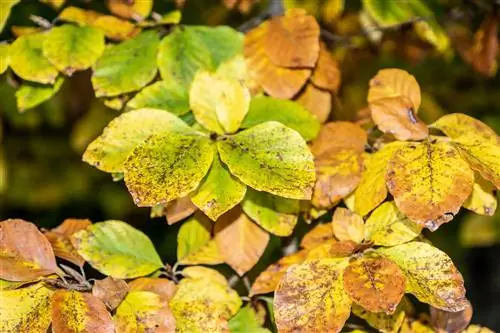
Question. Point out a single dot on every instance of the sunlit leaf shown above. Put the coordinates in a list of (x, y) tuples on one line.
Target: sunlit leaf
[(61, 244), (73, 311), (163, 95), (482, 200), (219, 191), (136, 10), (71, 48), (290, 114), (5, 8), (394, 82), (311, 298), (78, 15), (26, 309), (4, 57), (162, 287), (193, 235), (387, 226), (25, 253), (56, 4), (339, 135), (348, 225), (116, 249), (429, 182), (382, 321), (127, 66), (431, 275), (316, 101), (110, 291), (115, 28), (319, 234), (246, 321), (377, 284), (30, 95), (270, 157), (326, 75), (28, 62), (462, 126)]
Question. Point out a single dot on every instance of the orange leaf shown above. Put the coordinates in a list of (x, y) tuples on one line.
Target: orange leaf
[(342, 249), (393, 82), (348, 225), (339, 135), (317, 101), (135, 9), (115, 28), (482, 55), (110, 291), (326, 75), (164, 288), (179, 209), (59, 239), (318, 235)]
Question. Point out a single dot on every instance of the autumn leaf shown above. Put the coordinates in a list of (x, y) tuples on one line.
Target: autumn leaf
[(164, 288), (339, 135), (163, 95), (429, 182), (377, 284), (316, 101), (116, 249), (483, 52), (341, 249), (25, 253), (462, 126), (431, 275), (380, 320), (179, 209), (5, 8), (115, 28), (268, 280), (393, 82), (453, 322), (110, 291), (136, 10), (348, 225), (78, 15), (311, 298), (240, 241), (73, 311), (30, 95), (246, 321), (319, 234), (482, 200), (270, 157), (4, 57), (326, 74), (61, 244)]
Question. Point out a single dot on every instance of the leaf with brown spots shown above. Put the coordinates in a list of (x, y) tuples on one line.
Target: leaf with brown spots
[(327, 74), (395, 115), (110, 291), (268, 280), (393, 82), (73, 311), (482, 200), (462, 126), (179, 209), (319, 234), (429, 182), (311, 298), (316, 101), (293, 40), (377, 284), (240, 241), (348, 225), (162, 287), (25, 253), (450, 322), (431, 275), (59, 239), (339, 135)]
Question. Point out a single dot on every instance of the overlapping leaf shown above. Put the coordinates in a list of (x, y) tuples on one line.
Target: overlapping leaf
[(61, 244), (316, 101), (163, 95), (30, 95), (348, 226), (110, 291)]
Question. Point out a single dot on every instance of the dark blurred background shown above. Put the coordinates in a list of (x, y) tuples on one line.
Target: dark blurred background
[(43, 180)]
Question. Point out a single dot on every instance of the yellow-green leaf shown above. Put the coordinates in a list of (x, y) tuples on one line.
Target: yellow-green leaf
[(484, 157), (311, 298), (208, 254), (431, 275), (167, 167), (348, 225), (482, 200), (219, 191), (27, 60), (275, 214), (5, 8), (77, 312), (270, 157), (124, 133), (461, 126), (4, 57), (127, 66), (429, 182), (193, 235), (246, 321), (30, 95), (116, 249), (25, 310), (71, 48), (163, 95), (387, 226)]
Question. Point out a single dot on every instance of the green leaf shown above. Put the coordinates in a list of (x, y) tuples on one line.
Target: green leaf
[(431, 275), (167, 167), (127, 66), (116, 249), (5, 8), (219, 191), (30, 95), (387, 226), (289, 113), (4, 57), (275, 214), (270, 157), (193, 235), (245, 321), (71, 48), (163, 95), (109, 151), (28, 62)]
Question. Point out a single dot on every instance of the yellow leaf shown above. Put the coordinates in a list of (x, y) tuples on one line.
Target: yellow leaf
[(78, 15), (462, 126), (164, 288), (483, 157), (348, 225), (482, 200), (208, 254), (25, 310), (19, 31), (332, 9), (477, 329), (56, 4), (115, 28), (382, 321), (393, 82), (5, 8), (201, 272), (4, 57), (415, 326), (429, 182), (318, 235), (136, 10), (311, 298)]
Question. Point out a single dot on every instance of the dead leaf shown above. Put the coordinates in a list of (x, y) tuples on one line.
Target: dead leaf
[(59, 239), (179, 209), (348, 225), (393, 82), (162, 287), (482, 55), (327, 74), (317, 101), (110, 291), (319, 234), (342, 249), (339, 135), (450, 322)]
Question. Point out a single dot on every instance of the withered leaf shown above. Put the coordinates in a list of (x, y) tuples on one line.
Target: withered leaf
[(316, 101), (393, 82), (339, 135), (482, 55), (59, 239), (319, 234), (326, 75), (179, 209), (348, 225), (162, 287), (450, 322), (110, 291)]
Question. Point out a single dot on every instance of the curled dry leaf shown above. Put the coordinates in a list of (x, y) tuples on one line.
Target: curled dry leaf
[(61, 244), (25, 253), (179, 209), (162, 287), (395, 115), (377, 284), (429, 182), (276, 81), (394, 82), (73, 311), (326, 75), (268, 280), (450, 322), (318, 235), (316, 101), (110, 291), (348, 225), (240, 241), (293, 40)]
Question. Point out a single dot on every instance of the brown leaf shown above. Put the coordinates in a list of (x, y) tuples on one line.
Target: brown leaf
[(396, 115), (110, 291), (318, 235), (348, 225), (342, 249), (130, 9), (393, 82), (241, 242), (73, 311), (376, 284), (268, 280), (317, 101), (339, 135), (25, 253), (327, 74), (450, 322), (482, 55), (59, 239), (276, 81), (179, 209), (164, 288), (292, 40)]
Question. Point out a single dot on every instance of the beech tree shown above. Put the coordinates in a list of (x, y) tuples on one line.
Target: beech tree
[(230, 133)]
